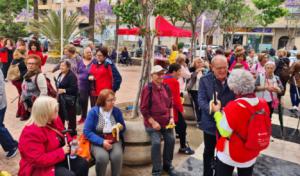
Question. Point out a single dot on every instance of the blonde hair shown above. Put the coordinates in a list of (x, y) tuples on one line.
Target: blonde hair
[(180, 59), (43, 109), (282, 53), (196, 60)]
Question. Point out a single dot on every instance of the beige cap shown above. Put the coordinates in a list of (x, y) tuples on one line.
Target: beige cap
[(156, 69)]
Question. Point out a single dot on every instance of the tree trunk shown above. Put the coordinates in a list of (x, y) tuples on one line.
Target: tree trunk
[(92, 19), (193, 42), (117, 28), (262, 36), (36, 9)]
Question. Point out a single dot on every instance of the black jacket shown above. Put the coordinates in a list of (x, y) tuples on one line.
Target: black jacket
[(69, 82)]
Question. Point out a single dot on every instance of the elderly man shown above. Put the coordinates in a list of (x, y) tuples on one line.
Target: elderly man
[(156, 107), (213, 84)]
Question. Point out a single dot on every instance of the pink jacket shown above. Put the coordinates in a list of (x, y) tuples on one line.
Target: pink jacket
[(40, 150)]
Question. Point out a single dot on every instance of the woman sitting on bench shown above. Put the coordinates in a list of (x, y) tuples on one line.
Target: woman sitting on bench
[(104, 127)]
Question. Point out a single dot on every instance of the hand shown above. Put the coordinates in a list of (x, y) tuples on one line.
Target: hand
[(66, 149), (156, 126), (61, 91), (172, 122), (215, 107), (199, 70), (91, 78), (107, 145)]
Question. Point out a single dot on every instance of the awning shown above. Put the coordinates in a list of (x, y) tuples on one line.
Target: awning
[(163, 29)]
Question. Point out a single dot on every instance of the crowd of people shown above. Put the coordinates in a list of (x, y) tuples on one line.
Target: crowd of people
[(229, 91)]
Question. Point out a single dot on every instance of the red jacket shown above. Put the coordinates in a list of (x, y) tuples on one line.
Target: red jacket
[(103, 77), (39, 53), (40, 150), (175, 89)]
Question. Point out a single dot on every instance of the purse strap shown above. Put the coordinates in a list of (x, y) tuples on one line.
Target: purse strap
[(56, 131)]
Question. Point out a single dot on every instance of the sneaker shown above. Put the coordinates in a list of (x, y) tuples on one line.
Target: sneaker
[(186, 150), (12, 153), (294, 108)]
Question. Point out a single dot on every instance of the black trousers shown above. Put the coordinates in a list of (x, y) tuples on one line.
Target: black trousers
[(5, 67), (180, 129), (79, 167), (194, 95), (71, 119), (223, 169), (93, 100), (209, 154), (84, 101), (271, 108)]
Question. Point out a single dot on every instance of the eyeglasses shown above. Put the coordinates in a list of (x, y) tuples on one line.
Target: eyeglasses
[(31, 63), (111, 100), (99, 55)]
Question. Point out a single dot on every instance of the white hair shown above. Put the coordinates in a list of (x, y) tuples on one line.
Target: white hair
[(241, 82), (218, 57)]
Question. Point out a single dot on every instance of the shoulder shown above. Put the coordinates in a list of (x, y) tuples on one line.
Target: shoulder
[(33, 132), (108, 61), (117, 111)]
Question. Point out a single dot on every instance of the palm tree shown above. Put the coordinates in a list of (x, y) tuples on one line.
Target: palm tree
[(49, 26), (92, 19), (36, 9)]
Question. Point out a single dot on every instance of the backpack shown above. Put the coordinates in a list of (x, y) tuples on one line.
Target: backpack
[(258, 128), (50, 90), (167, 88), (13, 73), (284, 74)]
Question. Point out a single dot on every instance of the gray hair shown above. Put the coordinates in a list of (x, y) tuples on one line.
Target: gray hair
[(218, 57), (241, 82)]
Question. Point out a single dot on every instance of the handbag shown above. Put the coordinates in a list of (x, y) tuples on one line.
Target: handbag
[(275, 101), (13, 73), (84, 150), (69, 99)]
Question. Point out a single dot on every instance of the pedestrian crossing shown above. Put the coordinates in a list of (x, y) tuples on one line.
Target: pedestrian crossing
[(282, 158)]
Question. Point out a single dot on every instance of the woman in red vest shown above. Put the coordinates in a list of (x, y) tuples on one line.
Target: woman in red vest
[(244, 126), (6, 55), (34, 47)]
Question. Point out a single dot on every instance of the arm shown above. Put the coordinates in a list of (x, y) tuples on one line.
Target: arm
[(120, 120), (72, 88), (117, 79), (185, 73), (259, 87), (222, 124), (202, 98), (176, 96), (42, 84), (144, 105), (89, 126)]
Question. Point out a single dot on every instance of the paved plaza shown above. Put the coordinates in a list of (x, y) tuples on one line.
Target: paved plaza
[(282, 158)]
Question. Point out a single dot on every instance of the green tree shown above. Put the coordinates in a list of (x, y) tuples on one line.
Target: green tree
[(169, 8), (49, 26), (270, 10), (192, 10), (36, 9)]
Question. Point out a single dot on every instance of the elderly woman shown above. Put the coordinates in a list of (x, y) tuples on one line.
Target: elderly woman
[(233, 123), (84, 67), (67, 89), (185, 73), (103, 75), (259, 68), (104, 127), (34, 47), (198, 70), (34, 84), (268, 86), (42, 144), (239, 62)]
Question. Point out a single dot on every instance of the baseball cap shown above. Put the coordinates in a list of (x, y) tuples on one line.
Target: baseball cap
[(156, 69)]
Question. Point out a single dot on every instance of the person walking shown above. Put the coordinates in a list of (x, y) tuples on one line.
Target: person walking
[(212, 86), (174, 54), (240, 141), (103, 75), (9, 145), (19, 62), (67, 89), (171, 79), (156, 108), (84, 67)]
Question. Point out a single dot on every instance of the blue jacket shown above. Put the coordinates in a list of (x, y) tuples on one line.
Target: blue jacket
[(117, 79), (208, 84), (91, 122)]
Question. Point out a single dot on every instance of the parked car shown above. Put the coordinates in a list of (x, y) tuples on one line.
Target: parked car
[(157, 49), (84, 42), (76, 41)]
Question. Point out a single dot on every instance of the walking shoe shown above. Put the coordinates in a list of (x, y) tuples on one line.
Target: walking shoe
[(294, 108), (171, 171), (12, 153), (186, 150)]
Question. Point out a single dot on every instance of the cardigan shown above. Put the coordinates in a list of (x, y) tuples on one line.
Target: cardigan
[(91, 122)]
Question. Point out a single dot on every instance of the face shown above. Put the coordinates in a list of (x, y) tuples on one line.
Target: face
[(63, 67), (269, 69), (88, 54), (8, 43), (220, 69), (199, 64), (100, 57), (240, 59), (22, 47), (66, 52), (264, 60), (55, 115), (158, 77), (177, 74), (32, 65), (33, 48), (110, 102), (252, 54)]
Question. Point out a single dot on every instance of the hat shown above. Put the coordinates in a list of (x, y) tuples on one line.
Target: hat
[(156, 69)]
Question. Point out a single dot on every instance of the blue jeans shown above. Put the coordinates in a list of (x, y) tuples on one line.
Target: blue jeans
[(169, 139), (293, 94), (6, 140)]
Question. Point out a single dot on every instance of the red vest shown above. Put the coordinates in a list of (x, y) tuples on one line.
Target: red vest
[(103, 77)]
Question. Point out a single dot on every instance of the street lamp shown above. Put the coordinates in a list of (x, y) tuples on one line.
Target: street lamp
[(61, 2)]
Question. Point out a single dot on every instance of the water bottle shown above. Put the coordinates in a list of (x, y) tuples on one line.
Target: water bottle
[(74, 147)]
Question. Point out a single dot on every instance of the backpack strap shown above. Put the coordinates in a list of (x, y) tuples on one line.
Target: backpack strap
[(35, 82)]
